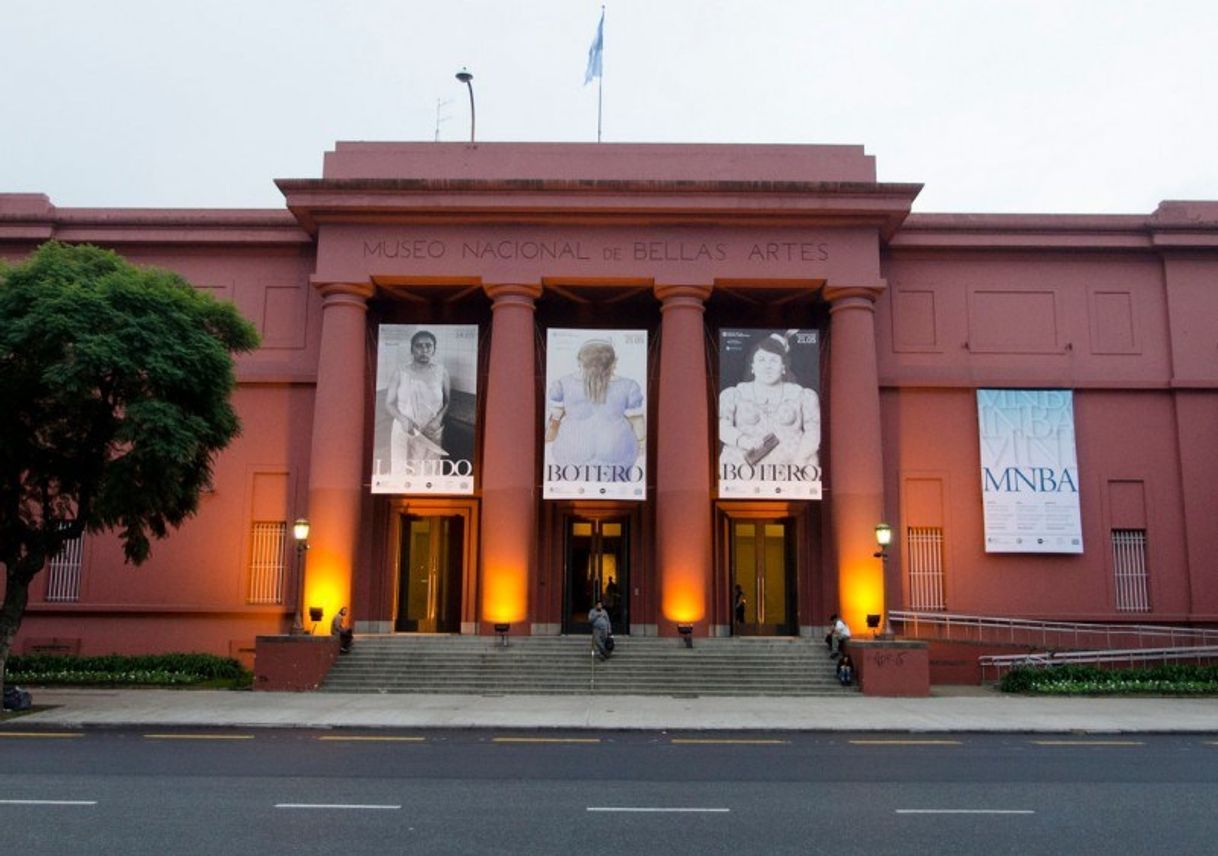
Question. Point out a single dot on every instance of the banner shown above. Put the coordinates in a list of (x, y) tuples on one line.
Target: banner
[(596, 415), (1029, 471), (426, 401), (769, 414)]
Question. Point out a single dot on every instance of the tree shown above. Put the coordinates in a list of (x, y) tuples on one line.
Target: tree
[(115, 387)]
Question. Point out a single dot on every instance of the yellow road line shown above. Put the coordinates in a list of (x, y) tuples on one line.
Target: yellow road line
[(546, 740), (1088, 742), (52, 734), (372, 739), (198, 737), (905, 742), (727, 742)]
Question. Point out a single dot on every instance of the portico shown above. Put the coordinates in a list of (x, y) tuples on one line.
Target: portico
[(598, 239)]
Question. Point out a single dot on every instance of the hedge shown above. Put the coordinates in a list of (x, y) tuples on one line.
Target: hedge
[(1170, 679), (121, 669)]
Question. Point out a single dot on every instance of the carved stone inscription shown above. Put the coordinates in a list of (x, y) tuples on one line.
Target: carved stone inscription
[(558, 250)]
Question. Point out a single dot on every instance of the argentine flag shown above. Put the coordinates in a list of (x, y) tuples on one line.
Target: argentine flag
[(594, 52)]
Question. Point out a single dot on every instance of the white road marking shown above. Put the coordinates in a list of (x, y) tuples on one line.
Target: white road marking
[(964, 811), (48, 802), (339, 806), (654, 809)]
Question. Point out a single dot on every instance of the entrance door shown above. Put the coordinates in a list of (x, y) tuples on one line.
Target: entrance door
[(763, 566), (597, 567), (429, 574)]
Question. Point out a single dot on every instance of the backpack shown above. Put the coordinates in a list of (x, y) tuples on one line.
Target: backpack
[(609, 643), (15, 698)]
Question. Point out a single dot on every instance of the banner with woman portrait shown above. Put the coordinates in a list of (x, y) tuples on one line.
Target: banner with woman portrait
[(769, 414), (595, 415), (426, 398)]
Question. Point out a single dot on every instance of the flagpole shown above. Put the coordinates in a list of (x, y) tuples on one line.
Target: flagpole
[(600, 78)]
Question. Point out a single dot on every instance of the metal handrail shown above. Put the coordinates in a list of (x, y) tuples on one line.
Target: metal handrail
[(1030, 631), (1132, 656)]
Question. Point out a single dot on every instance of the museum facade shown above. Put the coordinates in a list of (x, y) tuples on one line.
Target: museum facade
[(503, 381)]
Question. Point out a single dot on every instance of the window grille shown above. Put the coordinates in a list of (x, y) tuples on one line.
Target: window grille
[(63, 572), (1129, 568), (925, 547), (268, 560)]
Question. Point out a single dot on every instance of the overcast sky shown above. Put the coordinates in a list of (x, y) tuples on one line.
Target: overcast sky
[(1103, 106)]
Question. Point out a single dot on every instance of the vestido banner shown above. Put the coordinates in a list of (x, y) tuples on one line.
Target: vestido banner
[(769, 414), (426, 399), (1029, 471), (596, 415)]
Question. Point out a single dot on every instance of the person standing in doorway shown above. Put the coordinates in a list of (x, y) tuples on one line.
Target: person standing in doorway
[(738, 605)]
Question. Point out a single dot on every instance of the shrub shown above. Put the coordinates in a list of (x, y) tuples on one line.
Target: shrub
[(147, 669), (1167, 679)]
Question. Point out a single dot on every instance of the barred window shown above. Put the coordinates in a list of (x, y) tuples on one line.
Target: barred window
[(1129, 568), (63, 572), (924, 545), (268, 561)]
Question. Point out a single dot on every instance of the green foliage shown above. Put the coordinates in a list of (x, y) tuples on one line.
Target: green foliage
[(117, 669), (114, 384), (115, 387), (1169, 679)]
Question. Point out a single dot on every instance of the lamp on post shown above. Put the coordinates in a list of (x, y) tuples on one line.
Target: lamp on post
[(883, 537), (300, 531), (467, 78), (686, 632)]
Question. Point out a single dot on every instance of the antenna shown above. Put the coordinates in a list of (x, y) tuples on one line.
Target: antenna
[(440, 116)]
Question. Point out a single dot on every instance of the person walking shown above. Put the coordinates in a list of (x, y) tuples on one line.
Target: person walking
[(602, 629)]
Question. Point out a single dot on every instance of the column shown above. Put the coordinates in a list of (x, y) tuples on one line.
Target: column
[(336, 464), (856, 449), (683, 552), (509, 457)]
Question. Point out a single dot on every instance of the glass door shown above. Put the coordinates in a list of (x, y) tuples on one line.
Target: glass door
[(429, 574), (597, 568), (763, 577)]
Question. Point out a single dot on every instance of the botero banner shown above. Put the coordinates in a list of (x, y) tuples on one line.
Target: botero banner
[(596, 415), (1029, 471), (426, 398), (769, 414)]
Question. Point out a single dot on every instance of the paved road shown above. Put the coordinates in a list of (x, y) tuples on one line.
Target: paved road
[(136, 791)]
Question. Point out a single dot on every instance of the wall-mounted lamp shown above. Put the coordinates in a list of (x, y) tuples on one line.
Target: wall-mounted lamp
[(687, 634), (502, 629), (300, 531), (883, 537)]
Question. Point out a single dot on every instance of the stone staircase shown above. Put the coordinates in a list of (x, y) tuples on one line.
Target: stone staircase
[(552, 665)]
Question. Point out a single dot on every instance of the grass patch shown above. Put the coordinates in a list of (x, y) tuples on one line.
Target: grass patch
[(1172, 679)]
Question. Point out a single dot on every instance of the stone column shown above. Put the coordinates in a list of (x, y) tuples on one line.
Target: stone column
[(336, 464), (856, 448), (683, 552), (509, 458)]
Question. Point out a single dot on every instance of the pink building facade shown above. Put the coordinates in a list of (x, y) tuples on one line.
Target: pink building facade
[(929, 363)]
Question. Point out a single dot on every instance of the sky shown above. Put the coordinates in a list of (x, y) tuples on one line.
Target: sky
[(1073, 106)]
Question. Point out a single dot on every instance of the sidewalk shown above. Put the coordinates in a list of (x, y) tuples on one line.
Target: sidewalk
[(948, 709)]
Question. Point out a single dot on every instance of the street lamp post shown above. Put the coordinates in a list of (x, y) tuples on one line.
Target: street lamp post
[(468, 79), (300, 531)]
